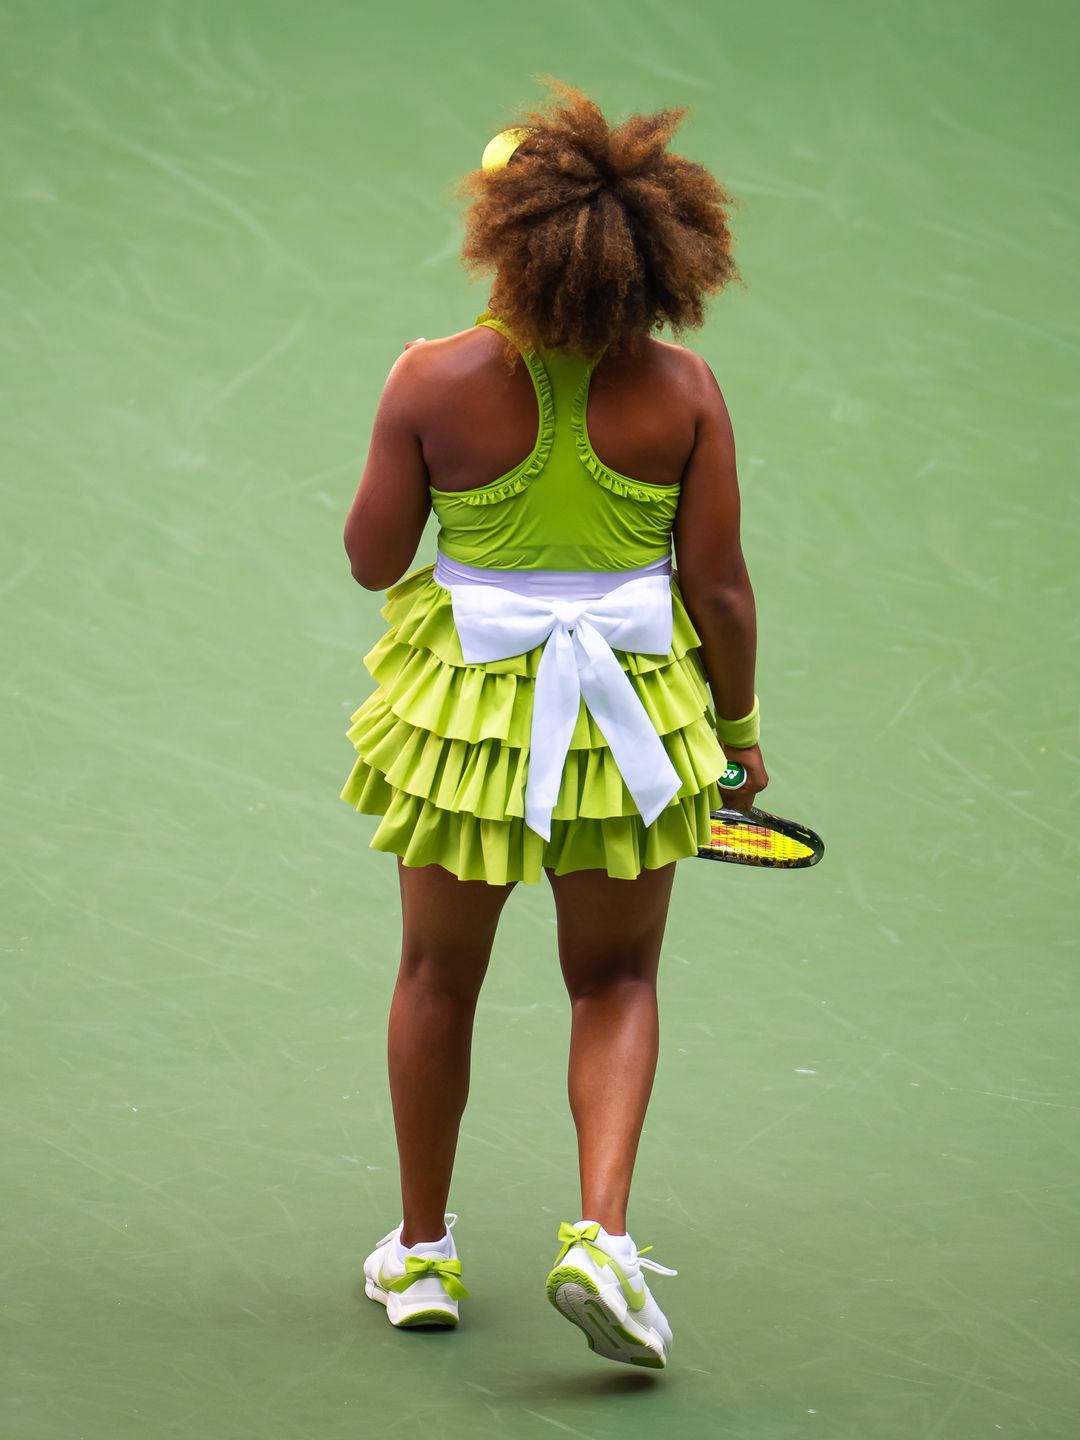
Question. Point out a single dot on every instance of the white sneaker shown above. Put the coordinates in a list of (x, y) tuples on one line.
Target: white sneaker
[(597, 1283), (417, 1288)]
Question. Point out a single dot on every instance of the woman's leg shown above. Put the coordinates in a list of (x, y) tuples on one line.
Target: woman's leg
[(610, 932), (448, 926)]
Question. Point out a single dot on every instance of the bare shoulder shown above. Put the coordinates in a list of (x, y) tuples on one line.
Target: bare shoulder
[(688, 368), (681, 378), (450, 356), (430, 373)]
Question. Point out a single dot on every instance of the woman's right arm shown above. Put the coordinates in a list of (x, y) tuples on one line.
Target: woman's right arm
[(712, 572), (386, 519)]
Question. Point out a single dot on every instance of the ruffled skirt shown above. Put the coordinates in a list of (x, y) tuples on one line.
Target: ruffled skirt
[(443, 753)]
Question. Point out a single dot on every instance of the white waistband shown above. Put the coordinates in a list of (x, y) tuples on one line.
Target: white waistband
[(545, 584), (578, 617)]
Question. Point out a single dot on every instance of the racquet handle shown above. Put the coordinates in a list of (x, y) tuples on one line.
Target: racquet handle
[(754, 837)]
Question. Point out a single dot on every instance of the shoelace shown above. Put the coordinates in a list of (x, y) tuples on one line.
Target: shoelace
[(652, 1264)]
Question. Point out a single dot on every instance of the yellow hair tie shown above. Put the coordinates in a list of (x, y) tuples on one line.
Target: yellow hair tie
[(498, 150)]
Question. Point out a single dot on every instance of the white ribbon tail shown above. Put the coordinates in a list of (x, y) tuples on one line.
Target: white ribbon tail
[(635, 746), (555, 710)]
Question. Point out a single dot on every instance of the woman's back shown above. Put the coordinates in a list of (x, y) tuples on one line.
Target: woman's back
[(516, 479), (478, 418)]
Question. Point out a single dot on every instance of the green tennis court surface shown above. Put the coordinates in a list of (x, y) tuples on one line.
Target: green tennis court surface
[(220, 224)]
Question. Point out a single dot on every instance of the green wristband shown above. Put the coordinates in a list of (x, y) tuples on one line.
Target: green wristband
[(741, 734)]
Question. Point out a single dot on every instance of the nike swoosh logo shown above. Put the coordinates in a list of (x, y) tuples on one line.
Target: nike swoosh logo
[(634, 1298)]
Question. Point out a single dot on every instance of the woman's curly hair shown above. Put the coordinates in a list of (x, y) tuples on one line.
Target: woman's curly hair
[(596, 234)]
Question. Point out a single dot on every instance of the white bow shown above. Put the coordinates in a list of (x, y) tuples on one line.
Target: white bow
[(578, 636)]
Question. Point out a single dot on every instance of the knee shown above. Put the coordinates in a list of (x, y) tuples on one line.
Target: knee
[(442, 975), (608, 973)]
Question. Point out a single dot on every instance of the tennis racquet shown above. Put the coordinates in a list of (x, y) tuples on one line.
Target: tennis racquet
[(754, 837)]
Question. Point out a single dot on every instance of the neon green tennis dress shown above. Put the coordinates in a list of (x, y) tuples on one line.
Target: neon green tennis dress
[(443, 746)]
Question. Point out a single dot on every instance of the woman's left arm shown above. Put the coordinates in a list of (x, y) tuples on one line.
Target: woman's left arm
[(386, 519)]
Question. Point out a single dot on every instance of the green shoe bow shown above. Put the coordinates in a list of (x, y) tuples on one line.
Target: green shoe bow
[(584, 1235), (571, 1235), (417, 1266)]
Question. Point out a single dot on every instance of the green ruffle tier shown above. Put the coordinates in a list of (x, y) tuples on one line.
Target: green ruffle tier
[(442, 755)]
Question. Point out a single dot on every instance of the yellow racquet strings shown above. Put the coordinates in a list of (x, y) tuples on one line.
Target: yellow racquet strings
[(756, 841)]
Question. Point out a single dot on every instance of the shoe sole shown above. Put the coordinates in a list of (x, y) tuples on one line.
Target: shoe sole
[(433, 1316), (577, 1298)]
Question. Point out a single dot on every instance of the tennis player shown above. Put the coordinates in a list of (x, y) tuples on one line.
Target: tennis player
[(549, 700)]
